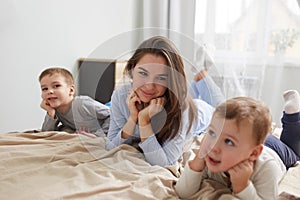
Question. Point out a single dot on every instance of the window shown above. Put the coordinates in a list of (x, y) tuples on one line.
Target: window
[(252, 29)]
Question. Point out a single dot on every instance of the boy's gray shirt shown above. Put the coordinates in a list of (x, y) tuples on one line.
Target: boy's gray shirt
[(84, 113)]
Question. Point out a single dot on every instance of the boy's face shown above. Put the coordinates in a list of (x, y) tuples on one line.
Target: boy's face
[(230, 144), (56, 92)]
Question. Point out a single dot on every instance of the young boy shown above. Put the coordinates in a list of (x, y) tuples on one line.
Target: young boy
[(68, 112), (232, 152)]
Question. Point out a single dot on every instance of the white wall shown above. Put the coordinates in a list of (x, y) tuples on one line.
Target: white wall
[(35, 34)]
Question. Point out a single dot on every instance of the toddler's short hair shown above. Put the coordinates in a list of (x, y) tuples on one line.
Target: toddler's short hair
[(58, 70), (249, 110)]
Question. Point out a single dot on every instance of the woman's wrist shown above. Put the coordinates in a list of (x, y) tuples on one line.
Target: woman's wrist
[(133, 119), (145, 131), (144, 126), (143, 120), (128, 128)]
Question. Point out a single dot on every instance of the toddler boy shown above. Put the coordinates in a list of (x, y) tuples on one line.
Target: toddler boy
[(68, 112)]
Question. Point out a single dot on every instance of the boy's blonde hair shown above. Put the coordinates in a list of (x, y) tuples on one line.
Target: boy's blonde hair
[(249, 110), (58, 70)]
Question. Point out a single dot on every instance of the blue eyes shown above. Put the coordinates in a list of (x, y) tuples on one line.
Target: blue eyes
[(158, 78), (227, 141), (211, 133), (143, 73), (161, 78)]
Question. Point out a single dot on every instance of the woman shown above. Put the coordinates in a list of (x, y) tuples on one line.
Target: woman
[(155, 112)]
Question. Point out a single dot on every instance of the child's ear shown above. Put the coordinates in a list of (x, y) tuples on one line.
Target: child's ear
[(72, 90), (256, 152)]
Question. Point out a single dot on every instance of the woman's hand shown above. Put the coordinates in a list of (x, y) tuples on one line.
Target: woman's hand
[(134, 105), (240, 175), (144, 117), (154, 107), (46, 106)]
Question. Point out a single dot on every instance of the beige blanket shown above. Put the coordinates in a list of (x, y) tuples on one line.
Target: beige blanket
[(59, 165)]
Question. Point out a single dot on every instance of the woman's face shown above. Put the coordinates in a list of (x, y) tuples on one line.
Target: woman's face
[(150, 77)]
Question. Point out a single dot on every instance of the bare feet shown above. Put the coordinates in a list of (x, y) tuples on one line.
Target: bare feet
[(202, 74)]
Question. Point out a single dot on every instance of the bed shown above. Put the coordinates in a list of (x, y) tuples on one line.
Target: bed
[(61, 165)]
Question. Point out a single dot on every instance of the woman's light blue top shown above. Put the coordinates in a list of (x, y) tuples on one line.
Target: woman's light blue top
[(167, 153)]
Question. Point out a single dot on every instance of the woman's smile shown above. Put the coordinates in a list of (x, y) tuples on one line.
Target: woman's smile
[(147, 94)]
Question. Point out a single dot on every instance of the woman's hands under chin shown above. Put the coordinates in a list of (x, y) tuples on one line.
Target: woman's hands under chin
[(144, 116), (134, 104), (154, 107)]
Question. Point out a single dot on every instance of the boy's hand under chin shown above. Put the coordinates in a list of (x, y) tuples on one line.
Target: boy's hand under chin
[(240, 175), (198, 163), (46, 106)]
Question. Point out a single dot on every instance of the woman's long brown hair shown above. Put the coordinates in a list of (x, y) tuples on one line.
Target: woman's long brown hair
[(176, 94)]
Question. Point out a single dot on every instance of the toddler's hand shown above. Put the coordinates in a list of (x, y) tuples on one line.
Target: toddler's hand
[(46, 106), (240, 175), (198, 163), (206, 145)]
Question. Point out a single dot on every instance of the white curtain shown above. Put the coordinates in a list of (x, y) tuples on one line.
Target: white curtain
[(255, 45), (171, 18)]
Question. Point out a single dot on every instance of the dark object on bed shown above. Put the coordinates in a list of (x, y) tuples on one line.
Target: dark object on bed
[(97, 78)]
